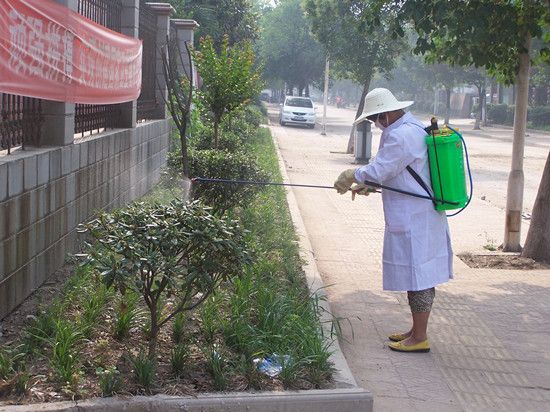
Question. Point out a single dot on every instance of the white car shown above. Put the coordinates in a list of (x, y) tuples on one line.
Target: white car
[(297, 110)]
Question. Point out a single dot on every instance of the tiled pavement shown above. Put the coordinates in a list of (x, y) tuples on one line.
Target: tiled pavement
[(489, 330)]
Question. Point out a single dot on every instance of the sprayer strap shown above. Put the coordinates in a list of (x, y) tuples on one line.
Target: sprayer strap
[(421, 183)]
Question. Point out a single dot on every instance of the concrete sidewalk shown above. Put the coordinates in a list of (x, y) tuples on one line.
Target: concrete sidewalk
[(490, 329)]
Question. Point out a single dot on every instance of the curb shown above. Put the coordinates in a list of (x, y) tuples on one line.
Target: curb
[(343, 377), (341, 400)]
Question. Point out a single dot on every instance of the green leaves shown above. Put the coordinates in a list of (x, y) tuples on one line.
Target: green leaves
[(219, 164), (482, 33), (177, 250), (230, 77), (357, 36)]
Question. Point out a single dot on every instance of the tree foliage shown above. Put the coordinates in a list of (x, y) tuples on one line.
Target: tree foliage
[(236, 19), (480, 33), (230, 78), (287, 49), (356, 51)]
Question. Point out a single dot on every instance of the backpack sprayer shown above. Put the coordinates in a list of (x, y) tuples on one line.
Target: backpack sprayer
[(446, 153)]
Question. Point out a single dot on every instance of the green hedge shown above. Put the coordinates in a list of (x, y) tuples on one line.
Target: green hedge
[(537, 116), (497, 113)]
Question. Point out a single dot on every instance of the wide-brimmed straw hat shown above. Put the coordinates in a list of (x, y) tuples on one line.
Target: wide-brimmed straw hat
[(381, 101)]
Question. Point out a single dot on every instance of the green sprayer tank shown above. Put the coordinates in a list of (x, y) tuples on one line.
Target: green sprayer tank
[(446, 157)]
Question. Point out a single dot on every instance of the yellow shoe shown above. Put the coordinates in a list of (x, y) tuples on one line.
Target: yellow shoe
[(423, 346), (397, 337)]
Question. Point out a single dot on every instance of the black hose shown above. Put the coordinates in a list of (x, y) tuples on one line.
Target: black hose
[(257, 183), (253, 182), (393, 189), (469, 171)]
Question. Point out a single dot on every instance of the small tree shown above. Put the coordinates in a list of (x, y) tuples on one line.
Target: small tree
[(230, 78), (177, 251), (178, 75)]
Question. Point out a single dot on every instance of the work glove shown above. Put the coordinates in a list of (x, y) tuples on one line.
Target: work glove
[(344, 181), (361, 189)]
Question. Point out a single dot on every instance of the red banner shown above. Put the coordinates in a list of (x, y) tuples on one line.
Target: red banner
[(50, 52)]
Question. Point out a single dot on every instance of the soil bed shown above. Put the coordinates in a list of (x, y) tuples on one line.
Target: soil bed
[(501, 261), (269, 310)]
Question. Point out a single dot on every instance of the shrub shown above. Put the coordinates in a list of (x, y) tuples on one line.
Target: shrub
[(228, 140), (236, 130), (224, 165), (497, 113), (177, 251), (539, 115), (254, 115)]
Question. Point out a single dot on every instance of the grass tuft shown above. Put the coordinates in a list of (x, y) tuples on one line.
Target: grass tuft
[(144, 370), (110, 381), (178, 360)]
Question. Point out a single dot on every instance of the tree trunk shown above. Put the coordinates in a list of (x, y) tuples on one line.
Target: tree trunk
[(537, 244), (448, 91), (307, 90), (484, 107), (216, 131), (183, 139), (514, 199), (360, 106), (479, 107), (300, 91), (153, 337)]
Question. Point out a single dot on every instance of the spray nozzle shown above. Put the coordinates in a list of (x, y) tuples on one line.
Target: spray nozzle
[(433, 127)]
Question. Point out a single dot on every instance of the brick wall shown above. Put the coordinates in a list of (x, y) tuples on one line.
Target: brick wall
[(45, 193)]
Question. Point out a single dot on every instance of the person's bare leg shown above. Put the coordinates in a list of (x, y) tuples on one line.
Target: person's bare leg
[(419, 330)]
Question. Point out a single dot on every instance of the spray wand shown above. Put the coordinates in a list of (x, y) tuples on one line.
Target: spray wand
[(260, 183)]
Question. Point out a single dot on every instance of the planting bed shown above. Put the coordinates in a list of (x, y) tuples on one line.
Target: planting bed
[(501, 261), (77, 339)]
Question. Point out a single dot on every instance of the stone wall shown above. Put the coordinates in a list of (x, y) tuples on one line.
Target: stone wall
[(46, 192)]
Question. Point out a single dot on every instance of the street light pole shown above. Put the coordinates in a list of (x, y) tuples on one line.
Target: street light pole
[(325, 97)]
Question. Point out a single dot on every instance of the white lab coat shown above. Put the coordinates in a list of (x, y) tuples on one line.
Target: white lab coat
[(417, 247)]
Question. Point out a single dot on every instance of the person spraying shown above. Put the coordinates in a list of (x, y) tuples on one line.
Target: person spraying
[(417, 252)]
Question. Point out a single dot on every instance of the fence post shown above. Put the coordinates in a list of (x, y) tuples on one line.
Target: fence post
[(130, 28), (185, 33), (163, 12), (58, 126)]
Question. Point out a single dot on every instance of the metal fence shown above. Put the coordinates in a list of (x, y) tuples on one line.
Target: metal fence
[(20, 122), (147, 103), (91, 118)]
